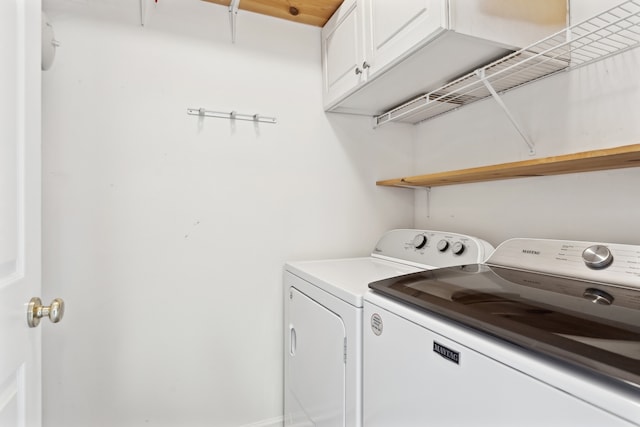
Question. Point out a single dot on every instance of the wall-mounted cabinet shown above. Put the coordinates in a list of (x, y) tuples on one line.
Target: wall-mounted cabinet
[(378, 54), (343, 51)]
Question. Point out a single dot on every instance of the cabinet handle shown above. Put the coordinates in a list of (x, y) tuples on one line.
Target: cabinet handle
[(293, 341), (365, 65), (358, 71)]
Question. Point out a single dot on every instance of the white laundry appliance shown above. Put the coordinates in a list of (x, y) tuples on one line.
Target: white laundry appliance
[(323, 320), (546, 333)]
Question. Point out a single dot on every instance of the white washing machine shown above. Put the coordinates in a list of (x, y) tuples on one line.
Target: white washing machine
[(546, 333), (323, 320)]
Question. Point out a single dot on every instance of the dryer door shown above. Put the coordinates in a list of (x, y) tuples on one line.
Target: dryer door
[(316, 364)]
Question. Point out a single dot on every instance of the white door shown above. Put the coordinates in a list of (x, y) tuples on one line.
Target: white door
[(20, 374), (398, 28), (343, 52), (315, 363)]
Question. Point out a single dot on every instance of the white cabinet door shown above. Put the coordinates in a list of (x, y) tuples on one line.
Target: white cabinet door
[(20, 375), (316, 363), (398, 28), (343, 51)]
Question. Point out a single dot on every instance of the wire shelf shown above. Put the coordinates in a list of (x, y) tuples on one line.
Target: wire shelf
[(609, 33)]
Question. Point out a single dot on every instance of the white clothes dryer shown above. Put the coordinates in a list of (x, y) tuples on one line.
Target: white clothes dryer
[(323, 303)]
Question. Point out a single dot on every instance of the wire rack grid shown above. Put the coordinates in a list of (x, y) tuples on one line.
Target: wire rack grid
[(606, 34)]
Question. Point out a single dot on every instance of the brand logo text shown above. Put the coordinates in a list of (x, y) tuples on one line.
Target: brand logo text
[(447, 353), (530, 252)]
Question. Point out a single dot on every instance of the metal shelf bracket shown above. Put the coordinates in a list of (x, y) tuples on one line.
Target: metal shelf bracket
[(233, 14), (143, 12), (481, 75)]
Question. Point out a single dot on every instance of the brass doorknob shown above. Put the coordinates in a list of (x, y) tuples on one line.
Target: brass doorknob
[(37, 311)]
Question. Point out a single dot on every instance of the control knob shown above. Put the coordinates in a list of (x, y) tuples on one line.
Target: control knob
[(443, 245), (597, 257), (419, 241), (458, 248)]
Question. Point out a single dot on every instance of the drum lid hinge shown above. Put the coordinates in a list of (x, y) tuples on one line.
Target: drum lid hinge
[(345, 350)]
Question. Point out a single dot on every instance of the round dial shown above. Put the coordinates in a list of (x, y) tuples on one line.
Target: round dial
[(597, 257), (443, 245), (457, 248), (419, 241)]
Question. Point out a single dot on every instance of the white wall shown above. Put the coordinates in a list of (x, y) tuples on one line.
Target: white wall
[(589, 108), (166, 234)]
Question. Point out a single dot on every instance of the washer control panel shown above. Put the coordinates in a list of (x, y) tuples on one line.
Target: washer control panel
[(600, 262), (432, 248)]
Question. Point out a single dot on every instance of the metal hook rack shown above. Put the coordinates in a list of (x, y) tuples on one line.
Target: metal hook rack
[(233, 115)]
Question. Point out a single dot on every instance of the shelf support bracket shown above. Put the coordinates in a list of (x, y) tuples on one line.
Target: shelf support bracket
[(143, 12), (427, 198), (483, 78), (233, 14)]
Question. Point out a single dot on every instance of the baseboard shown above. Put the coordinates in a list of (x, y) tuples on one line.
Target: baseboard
[(271, 422)]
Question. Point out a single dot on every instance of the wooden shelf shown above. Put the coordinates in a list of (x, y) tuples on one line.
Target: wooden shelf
[(311, 12), (627, 156)]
